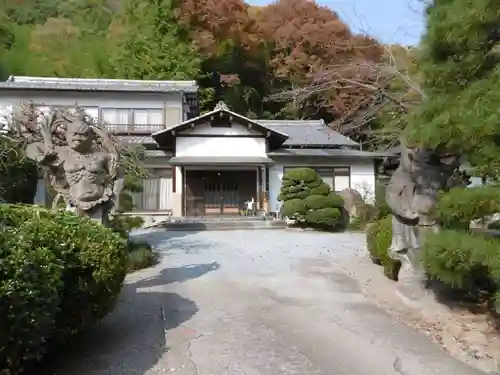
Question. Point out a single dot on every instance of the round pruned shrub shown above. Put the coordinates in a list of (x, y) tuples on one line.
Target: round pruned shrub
[(325, 218), (295, 208), (83, 266), (378, 238), (316, 202), (310, 201)]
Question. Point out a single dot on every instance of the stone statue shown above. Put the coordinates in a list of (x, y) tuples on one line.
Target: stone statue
[(411, 193), (80, 160)]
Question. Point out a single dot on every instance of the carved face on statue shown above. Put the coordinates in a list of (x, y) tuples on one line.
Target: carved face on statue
[(79, 134)]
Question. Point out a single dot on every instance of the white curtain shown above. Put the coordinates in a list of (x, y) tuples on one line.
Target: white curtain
[(109, 116)]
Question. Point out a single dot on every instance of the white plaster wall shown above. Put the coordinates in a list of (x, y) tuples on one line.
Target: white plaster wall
[(275, 177), (171, 102), (220, 146), (235, 129), (239, 141), (362, 175), (363, 179)]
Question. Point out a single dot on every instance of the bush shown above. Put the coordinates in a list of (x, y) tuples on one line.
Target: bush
[(293, 208), (382, 209), (459, 206), (140, 255), (30, 280), (19, 173), (82, 264), (316, 202), (462, 260), (310, 201), (325, 218), (378, 238), (123, 224)]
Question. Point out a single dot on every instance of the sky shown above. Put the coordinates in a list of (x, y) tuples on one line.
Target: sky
[(390, 21)]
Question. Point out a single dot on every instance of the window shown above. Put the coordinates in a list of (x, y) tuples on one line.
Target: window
[(116, 118), (338, 178), (146, 120), (156, 191), (149, 120)]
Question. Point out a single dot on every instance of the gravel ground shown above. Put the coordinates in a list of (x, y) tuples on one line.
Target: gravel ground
[(271, 302), (245, 252)]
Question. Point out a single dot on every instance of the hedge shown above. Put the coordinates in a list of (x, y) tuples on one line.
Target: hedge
[(59, 274), (378, 238), (310, 201)]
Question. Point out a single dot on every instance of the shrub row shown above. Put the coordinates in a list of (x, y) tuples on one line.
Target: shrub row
[(455, 256), (59, 273)]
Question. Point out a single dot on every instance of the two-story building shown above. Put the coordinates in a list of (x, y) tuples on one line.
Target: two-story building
[(208, 164)]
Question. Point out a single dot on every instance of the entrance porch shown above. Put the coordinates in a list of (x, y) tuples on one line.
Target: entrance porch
[(222, 192)]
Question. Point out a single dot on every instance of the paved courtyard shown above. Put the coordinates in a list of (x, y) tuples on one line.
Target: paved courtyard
[(271, 302)]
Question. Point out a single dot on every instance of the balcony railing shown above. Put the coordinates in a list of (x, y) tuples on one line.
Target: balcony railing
[(135, 129)]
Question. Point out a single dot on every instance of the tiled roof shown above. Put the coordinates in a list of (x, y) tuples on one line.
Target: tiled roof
[(347, 152), (84, 84), (308, 132)]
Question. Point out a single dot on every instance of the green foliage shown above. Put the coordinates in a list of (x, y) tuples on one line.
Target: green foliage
[(150, 43), (381, 207), (123, 224), (81, 263), (463, 260), (293, 208), (457, 207), (460, 68), (140, 255), (19, 174), (316, 202), (329, 218), (378, 238), (310, 201), (30, 281)]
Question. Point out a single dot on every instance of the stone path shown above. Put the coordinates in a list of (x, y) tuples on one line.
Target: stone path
[(269, 302)]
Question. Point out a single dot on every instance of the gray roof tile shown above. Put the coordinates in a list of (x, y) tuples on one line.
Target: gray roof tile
[(347, 152), (308, 132), (84, 84)]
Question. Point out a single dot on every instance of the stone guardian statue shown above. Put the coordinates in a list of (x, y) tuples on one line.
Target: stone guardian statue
[(411, 194), (81, 161)]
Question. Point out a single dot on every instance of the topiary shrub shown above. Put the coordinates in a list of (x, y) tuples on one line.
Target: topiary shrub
[(80, 259), (378, 238), (325, 218), (310, 201), (294, 208)]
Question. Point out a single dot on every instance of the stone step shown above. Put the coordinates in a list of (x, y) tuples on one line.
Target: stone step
[(222, 225)]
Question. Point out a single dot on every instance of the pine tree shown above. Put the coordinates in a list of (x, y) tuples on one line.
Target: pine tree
[(460, 66)]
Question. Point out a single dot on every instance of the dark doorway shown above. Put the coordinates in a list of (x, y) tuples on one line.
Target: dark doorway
[(211, 193)]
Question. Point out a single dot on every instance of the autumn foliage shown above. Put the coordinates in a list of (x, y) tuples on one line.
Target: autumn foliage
[(290, 59)]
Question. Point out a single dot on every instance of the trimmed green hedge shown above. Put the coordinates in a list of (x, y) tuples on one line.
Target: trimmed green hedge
[(378, 238), (310, 201), (59, 274)]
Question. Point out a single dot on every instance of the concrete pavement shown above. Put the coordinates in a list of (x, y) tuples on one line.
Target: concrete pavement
[(251, 303)]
